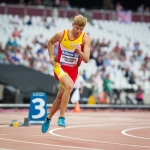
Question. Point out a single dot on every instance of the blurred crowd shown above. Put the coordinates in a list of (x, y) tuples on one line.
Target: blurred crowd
[(66, 4), (55, 3), (140, 9), (15, 53), (126, 64), (143, 9)]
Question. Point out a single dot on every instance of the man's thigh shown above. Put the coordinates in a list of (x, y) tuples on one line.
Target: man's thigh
[(65, 80)]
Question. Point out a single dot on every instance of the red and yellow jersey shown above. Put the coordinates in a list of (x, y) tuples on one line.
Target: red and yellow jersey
[(68, 60), (67, 55)]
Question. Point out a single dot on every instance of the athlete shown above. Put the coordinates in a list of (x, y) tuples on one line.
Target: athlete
[(73, 48)]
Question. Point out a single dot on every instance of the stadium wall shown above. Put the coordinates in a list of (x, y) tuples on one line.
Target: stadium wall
[(48, 11)]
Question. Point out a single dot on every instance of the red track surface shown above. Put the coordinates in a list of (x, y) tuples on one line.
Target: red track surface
[(88, 130)]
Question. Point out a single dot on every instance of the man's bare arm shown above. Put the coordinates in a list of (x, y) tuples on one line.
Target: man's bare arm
[(85, 55), (57, 37)]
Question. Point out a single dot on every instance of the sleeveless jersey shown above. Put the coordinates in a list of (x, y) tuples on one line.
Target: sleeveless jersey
[(67, 56)]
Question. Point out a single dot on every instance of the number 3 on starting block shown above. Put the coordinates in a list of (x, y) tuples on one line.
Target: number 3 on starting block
[(38, 109)]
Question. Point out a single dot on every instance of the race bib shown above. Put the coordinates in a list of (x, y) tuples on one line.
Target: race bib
[(69, 58)]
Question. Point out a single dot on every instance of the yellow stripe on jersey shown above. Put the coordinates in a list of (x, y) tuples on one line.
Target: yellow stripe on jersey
[(59, 72)]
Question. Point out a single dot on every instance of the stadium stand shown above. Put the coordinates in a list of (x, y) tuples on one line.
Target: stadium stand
[(122, 49)]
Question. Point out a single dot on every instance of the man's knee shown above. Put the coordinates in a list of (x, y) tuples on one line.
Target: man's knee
[(69, 87)]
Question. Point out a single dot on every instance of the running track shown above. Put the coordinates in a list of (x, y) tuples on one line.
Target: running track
[(87, 130)]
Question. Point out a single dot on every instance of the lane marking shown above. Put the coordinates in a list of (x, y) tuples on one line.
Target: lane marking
[(113, 143), (3, 126), (49, 144), (51, 132), (5, 149), (120, 119), (27, 135), (124, 132), (74, 147)]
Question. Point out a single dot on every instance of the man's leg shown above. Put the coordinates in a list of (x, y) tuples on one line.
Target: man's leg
[(55, 107), (69, 84), (56, 103)]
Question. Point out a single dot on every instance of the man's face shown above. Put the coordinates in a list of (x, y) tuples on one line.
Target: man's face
[(77, 29)]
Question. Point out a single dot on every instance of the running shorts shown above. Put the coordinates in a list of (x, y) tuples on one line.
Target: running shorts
[(60, 71)]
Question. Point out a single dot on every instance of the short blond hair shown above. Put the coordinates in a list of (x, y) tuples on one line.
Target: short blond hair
[(79, 20)]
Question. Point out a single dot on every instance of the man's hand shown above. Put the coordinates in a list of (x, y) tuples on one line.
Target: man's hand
[(52, 60), (78, 48)]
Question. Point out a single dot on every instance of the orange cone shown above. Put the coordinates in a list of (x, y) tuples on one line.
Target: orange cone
[(103, 98), (77, 107)]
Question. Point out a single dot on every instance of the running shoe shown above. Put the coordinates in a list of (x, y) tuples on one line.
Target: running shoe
[(46, 124), (61, 122)]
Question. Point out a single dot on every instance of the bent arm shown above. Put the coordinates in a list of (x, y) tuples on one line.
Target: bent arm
[(85, 55), (57, 37)]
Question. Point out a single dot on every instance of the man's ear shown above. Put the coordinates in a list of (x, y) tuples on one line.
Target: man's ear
[(72, 24)]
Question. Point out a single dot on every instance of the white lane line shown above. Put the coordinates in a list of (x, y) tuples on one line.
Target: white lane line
[(28, 135), (124, 132), (3, 126), (49, 144), (5, 149), (120, 119), (75, 138), (73, 147), (52, 132)]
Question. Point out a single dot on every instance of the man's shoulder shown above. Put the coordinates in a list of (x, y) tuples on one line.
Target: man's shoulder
[(86, 35), (86, 38), (60, 33)]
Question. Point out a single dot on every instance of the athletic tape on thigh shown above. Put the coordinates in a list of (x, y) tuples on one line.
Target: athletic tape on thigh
[(63, 86)]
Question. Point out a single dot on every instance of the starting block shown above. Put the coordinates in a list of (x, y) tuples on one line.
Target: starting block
[(26, 122), (15, 123), (12, 121)]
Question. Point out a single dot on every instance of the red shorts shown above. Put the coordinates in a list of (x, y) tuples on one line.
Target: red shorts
[(72, 72)]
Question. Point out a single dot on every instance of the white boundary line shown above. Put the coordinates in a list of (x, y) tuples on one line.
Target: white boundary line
[(52, 132), (49, 144), (72, 147), (5, 149), (124, 132), (3, 126), (81, 105)]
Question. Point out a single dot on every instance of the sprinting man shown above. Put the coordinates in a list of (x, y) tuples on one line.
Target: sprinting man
[(74, 46)]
